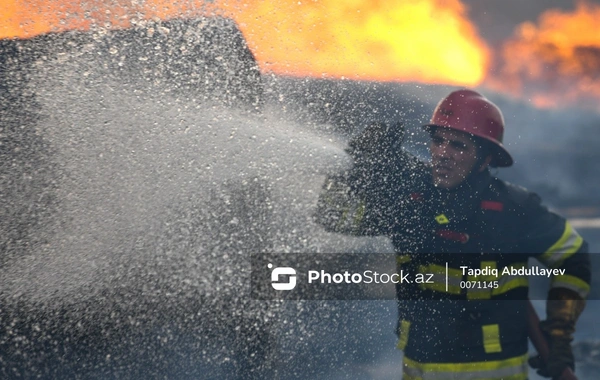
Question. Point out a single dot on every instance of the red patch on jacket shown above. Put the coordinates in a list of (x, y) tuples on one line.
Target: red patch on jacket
[(460, 237), (416, 196), (492, 205)]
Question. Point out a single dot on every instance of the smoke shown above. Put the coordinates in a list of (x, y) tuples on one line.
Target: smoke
[(554, 151), (544, 53), (496, 21)]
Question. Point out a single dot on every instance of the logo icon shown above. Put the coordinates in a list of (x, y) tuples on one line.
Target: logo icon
[(285, 272)]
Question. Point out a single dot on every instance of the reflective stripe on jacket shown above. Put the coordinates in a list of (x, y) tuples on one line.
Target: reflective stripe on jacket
[(508, 369)]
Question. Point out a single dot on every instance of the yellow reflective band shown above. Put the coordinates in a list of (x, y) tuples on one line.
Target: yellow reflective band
[(491, 339), (491, 265), (360, 213), (571, 282), (510, 369), (509, 282), (442, 219), (402, 259), (565, 247), (479, 293), (513, 283), (351, 218), (483, 287), (342, 219), (403, 335), (453, 273), (439, 278), (407, 376), (512, 266)]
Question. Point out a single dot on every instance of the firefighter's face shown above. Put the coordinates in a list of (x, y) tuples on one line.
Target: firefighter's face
[(454, 155)]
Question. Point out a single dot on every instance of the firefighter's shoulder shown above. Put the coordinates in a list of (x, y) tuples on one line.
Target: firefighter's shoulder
[(515, 196)]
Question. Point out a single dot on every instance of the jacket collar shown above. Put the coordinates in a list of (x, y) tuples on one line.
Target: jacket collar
[(469, 191)]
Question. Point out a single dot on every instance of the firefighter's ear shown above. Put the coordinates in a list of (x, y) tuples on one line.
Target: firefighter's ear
[(485, 163)]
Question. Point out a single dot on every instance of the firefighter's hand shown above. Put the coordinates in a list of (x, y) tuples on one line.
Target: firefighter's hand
[(376, 142), (375, 151), (562, 311), (560, 357)]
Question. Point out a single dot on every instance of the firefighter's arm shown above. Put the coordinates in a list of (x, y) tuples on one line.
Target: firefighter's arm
[(556, 244), (563, 248), (566, 301)]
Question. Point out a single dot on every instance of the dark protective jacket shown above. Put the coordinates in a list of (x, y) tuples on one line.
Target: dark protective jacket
[(477, 327)]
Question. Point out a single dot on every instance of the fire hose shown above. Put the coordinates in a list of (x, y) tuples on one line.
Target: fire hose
[(540, 343)]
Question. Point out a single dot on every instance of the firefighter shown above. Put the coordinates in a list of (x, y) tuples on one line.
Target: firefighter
[(454, 205)]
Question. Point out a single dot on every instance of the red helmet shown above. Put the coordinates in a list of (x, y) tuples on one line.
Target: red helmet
[(469, 111)]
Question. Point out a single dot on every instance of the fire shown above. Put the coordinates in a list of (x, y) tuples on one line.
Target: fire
[(421, 40), (556, 62), (33, 17), (426, 40)]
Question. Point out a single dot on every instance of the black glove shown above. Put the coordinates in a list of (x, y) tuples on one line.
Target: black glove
[(560, 357), (376, 152), (376, 141), (563, 309)]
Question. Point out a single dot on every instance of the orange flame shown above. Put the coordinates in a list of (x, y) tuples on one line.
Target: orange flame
[(27, 19), (425, 40), (422, 40), (556, 62)]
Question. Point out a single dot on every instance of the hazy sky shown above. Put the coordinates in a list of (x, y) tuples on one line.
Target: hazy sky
[(496, 19)]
